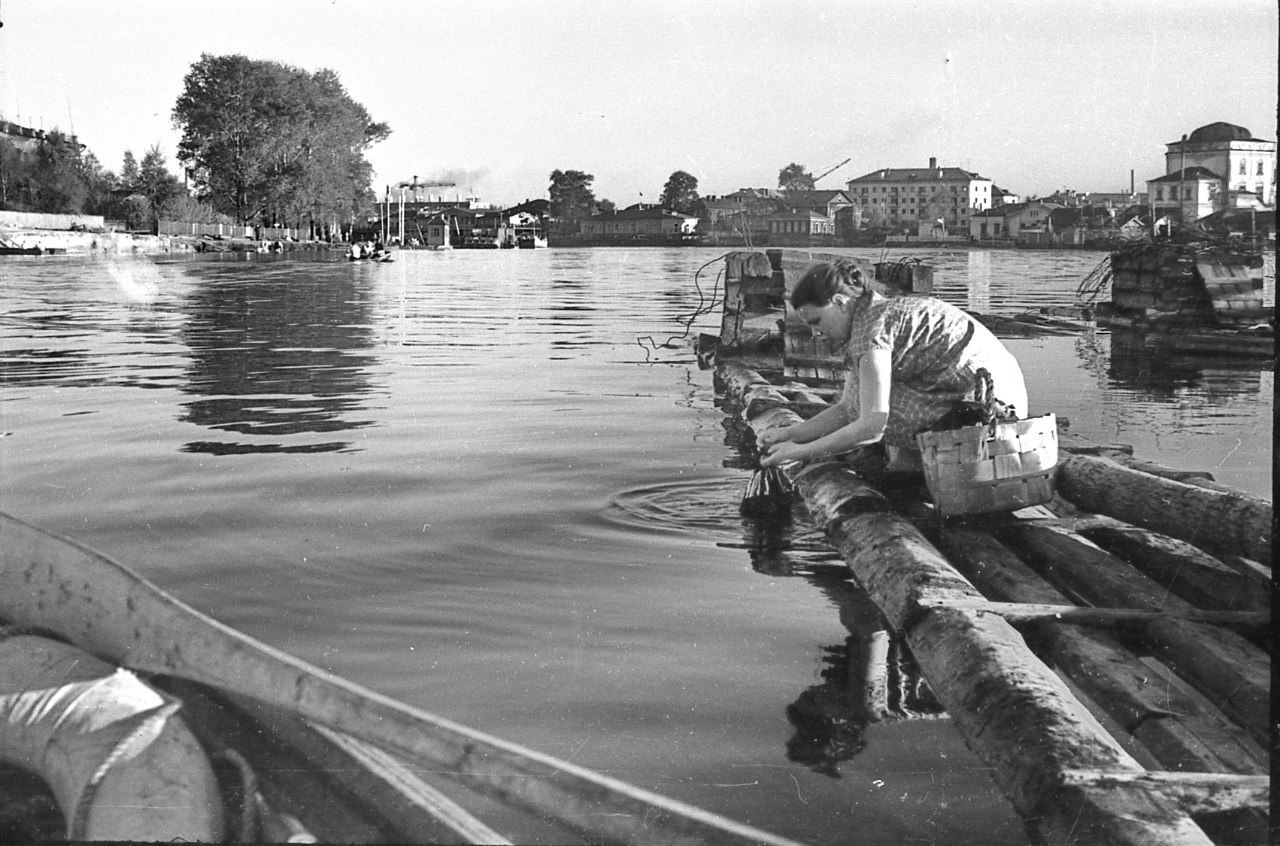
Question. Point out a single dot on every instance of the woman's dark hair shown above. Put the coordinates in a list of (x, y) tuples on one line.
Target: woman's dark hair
[(822, 281)]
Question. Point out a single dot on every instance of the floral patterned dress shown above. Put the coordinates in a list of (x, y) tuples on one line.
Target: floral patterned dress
[(936, 350)]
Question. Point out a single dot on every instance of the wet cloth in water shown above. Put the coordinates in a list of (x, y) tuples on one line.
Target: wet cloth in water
[(936, 350)]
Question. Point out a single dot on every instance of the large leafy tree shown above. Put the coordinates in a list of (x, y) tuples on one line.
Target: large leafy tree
[(266, 142), (794, 177), (681, 192), (571, 197)]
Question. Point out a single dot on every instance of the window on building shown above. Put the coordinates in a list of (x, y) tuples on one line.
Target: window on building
[(1244, 167), (1262, 168), (1159, 193)]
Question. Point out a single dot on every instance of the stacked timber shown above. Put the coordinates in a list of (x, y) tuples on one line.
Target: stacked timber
[(1192, 298), (1108, 660)]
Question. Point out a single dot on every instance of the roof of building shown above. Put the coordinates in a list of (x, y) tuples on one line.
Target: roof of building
[(641, 211), (921, 174), (1190, 173), (1220, 131), (801, 214), (814, 198), (755, 193)]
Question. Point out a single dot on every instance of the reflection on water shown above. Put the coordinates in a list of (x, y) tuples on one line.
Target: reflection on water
[(281, 355)]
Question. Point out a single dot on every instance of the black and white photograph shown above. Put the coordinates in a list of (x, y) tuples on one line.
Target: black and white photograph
[(827, 422)]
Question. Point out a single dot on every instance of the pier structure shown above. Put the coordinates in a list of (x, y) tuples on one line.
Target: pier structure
[(1106, 654)]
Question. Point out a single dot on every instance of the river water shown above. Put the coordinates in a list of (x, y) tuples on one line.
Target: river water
[(495, 485)]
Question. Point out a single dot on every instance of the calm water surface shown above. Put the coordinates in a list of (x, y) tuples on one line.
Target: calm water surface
[(495, 485)]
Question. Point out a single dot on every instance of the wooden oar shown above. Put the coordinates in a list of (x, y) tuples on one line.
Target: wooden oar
[(114, 613)]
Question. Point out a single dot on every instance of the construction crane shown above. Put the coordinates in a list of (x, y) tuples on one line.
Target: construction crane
[(832, 170), (415, 184)]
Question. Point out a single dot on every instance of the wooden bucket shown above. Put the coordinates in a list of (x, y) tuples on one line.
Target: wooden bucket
[(1002, 466)]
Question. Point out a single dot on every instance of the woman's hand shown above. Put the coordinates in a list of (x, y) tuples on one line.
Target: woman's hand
[(784, 453), (775, 435)]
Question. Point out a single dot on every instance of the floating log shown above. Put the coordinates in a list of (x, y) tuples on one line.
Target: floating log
[(1230, 670), (1176, 565), (1014, 712), (1203, 793), (1179, 726), (1077, 615), (1232, 523)]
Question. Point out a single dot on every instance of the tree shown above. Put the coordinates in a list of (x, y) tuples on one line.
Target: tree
[(794, 177), (57, 184), (606, 206), (264, 141), (128, 172), (571, 198), (154, 181), (680, 193)]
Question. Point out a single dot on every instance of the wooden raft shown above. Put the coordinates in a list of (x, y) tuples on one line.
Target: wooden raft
[(1141, 713), (1135, 709)]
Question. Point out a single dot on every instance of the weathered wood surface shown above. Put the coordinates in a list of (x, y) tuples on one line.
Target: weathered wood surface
[(1217, 521), (1013, 710), (1224, 666), (1179, 726)]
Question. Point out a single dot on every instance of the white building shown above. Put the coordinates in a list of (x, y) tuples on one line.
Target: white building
[(1243, 165), (894, 196)]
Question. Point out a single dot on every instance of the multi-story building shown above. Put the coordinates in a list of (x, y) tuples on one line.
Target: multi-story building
[(1243, 168), (897, 196)]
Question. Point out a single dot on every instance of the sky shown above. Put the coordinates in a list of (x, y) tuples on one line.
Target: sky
[(493, 96)]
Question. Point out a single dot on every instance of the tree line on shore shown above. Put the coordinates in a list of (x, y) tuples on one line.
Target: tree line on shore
[(262, 143), (573, 199)]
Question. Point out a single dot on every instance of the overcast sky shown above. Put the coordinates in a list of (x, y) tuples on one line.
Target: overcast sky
[(1036, 96)]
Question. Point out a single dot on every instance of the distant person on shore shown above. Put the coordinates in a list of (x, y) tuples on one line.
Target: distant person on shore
[(910, 362)]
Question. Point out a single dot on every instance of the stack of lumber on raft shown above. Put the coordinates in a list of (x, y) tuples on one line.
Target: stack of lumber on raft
[(1107, 655), (212, 736)]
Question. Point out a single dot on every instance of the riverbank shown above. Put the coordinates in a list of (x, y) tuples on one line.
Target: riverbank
[(87, 241)]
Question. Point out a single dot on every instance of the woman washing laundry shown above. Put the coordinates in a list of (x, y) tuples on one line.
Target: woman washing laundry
[(910, 361)]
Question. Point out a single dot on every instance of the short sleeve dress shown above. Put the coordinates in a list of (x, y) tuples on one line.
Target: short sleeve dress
[(936, 350)]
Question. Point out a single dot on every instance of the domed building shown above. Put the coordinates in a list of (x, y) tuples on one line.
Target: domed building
[(1219, 166)]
